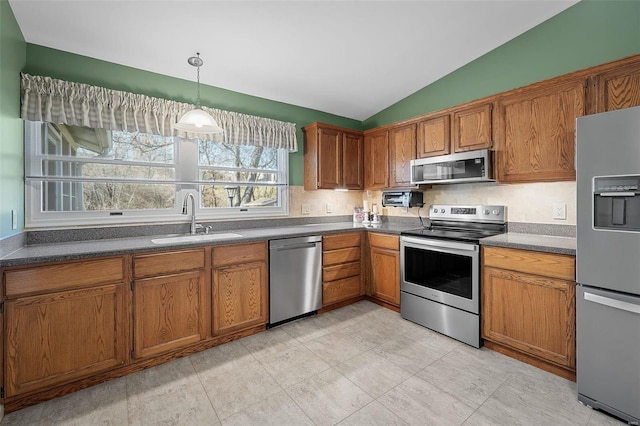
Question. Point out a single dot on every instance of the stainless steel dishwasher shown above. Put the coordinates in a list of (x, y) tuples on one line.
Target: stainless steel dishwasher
[(295, 277)]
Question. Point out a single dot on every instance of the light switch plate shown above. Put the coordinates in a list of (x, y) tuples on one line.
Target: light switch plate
[(306, 208), (329, 208), (559, 211)]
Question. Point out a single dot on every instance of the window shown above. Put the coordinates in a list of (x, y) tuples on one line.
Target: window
[(79, 175)]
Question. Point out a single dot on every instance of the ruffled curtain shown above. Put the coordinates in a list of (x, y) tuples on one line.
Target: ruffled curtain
[(76, 104)]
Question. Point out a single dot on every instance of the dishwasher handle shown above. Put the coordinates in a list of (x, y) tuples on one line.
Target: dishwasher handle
[(295, 246)]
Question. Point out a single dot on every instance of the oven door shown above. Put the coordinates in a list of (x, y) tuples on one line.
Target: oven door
[(443, 271)]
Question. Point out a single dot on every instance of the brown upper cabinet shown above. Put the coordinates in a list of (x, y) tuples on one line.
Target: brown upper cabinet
[(617, 88), (402, 149), (531, 129), (472, 128), (376, 155), (535, 132), (333, 157), (464, 129), (434, 137)]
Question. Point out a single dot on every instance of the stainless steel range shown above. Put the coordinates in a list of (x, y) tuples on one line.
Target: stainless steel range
[(440, 269)]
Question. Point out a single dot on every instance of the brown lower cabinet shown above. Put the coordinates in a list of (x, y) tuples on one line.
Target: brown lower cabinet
[(63, 322), (169, 301), (341, 268), (240, 287), (384, 258), (69, 325), (528, 307)]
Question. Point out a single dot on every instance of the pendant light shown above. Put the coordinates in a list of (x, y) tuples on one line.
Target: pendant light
[(197, 120)]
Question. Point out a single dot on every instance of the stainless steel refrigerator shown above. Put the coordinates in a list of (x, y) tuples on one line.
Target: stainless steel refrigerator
[(608, 262)]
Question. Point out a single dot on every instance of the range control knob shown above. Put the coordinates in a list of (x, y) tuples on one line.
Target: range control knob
[(441, 210), (487, 211), (496, 212), (435, 210)]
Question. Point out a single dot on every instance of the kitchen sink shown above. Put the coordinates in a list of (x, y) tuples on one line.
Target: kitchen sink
[(195, 238)]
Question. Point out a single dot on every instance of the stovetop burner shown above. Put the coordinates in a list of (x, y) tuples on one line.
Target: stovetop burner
[(462, 223)]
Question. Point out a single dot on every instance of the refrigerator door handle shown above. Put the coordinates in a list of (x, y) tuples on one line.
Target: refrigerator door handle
[(613, 303), (617, 194)]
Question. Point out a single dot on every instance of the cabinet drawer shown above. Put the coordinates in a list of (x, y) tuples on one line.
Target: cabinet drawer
[(546, 264), (167, 263), (391, 242), (334, 242), (336, 291), (239, 253), (333, 257), (63, 276), (336, 272)]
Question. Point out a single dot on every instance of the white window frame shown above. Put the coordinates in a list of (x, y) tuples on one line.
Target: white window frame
[(186, 175)]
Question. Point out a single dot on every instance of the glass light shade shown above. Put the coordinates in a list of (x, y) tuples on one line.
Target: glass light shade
[(198, 121)]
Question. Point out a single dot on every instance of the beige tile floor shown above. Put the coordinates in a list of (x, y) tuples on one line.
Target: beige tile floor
[(359, 365)]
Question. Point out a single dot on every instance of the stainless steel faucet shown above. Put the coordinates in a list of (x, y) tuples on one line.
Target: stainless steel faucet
[(193, 228)]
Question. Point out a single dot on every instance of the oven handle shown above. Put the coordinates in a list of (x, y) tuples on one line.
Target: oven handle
[(441, 244)]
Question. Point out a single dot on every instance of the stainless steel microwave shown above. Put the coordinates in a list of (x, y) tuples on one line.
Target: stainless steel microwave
[(463, 167)]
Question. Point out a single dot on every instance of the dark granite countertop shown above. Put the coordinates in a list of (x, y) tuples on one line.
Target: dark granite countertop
[(536, 242), (61, 251), (41, 253)]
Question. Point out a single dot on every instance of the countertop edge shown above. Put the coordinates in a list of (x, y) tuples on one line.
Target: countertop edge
[(60, 252), (533, 242)]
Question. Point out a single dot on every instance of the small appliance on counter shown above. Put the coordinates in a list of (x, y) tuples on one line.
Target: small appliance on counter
[(402, 198), (607, 262), (440, 269)]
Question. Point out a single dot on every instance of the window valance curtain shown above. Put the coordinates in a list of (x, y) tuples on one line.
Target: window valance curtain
[(63, 102)]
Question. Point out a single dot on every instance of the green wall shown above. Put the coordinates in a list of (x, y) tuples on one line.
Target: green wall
[(68, 66), (12, 60), (589, 33)]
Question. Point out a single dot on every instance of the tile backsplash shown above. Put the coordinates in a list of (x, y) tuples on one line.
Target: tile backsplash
[(527, 202)]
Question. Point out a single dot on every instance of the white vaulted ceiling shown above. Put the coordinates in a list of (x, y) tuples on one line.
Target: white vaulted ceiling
[(350, 58)]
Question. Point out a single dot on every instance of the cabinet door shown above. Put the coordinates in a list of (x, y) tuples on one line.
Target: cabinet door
[(59, 337), (240, 297), (376, 165), (353, 161), (385, 275), (402, 149), (168, 312), (530, 313), (329, 158), (472, 128), (535, 133), (434, 137), (619, 88)]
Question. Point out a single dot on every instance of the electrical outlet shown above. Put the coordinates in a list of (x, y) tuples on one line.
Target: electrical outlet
[(14, 220), (329, 208), (559, 211), (306, 208)]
